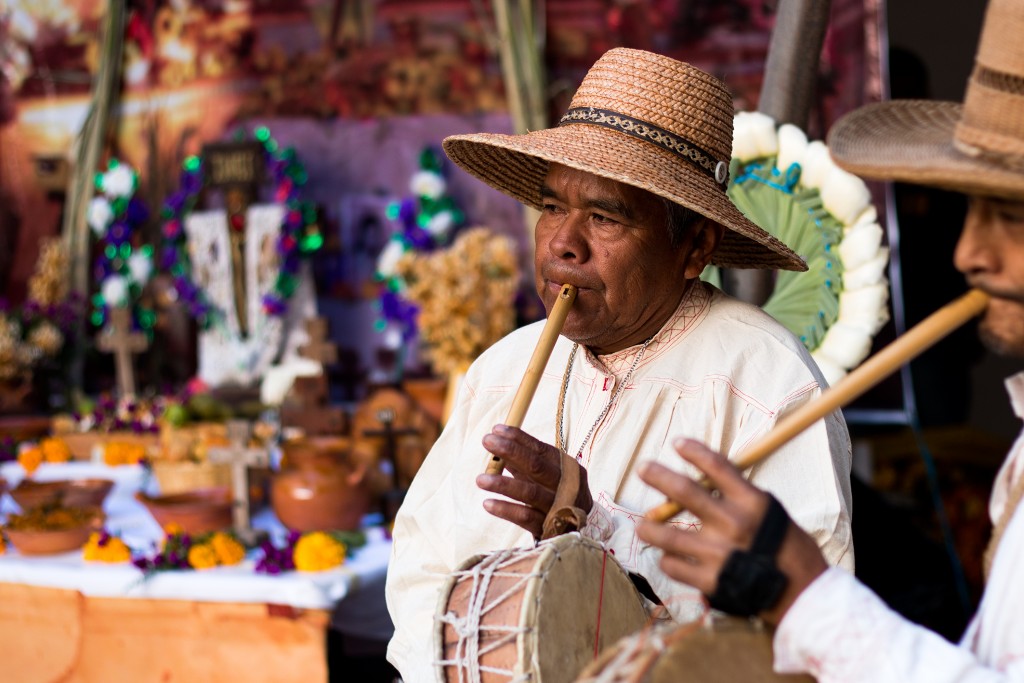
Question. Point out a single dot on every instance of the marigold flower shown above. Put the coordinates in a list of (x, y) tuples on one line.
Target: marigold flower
[(102, 547), (123, 453), (31, 458), (317, 551), (202, 556), (55, 450), (228, 550), (173, 529)]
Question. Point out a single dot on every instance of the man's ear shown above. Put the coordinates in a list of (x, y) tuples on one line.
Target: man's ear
[(707, 234)]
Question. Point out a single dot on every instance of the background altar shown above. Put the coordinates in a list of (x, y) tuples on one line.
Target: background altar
[(62, 618)]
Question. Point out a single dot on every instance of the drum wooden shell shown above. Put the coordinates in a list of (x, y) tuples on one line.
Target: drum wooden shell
[(720, 649), (539, 620)]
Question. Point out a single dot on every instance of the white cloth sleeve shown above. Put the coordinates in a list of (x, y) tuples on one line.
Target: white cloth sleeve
[(838, 630)]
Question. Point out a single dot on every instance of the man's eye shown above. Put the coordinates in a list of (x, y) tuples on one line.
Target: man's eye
[(598, 218), (1014, 215)]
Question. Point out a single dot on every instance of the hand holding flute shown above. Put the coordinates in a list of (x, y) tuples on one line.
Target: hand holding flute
[(874, 370), (535, 466)]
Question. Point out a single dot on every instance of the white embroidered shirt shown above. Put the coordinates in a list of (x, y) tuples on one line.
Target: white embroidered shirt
[(720, 371)]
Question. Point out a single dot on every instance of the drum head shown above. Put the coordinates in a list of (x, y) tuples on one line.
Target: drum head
[(726, 649), (560, 599)]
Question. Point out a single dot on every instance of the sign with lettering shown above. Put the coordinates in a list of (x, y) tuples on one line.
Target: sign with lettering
[(233, 164)]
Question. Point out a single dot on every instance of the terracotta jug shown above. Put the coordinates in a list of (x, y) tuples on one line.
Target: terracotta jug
[(324, 484)]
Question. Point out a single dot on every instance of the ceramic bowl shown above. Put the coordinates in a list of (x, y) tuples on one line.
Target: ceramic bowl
[(30, 494), (196, 512), (52, 541), (49, 542)]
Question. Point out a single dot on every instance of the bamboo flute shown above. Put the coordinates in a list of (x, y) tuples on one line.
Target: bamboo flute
[(535, 368), (912, 343)]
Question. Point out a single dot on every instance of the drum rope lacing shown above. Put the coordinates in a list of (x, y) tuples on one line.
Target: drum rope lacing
[(468, 628), (636, 654)]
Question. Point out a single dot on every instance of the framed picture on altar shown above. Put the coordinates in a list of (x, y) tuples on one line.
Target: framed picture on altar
[(365, 229)]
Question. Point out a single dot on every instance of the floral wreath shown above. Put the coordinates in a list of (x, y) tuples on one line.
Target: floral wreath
[(299, 237), (427, 221), (122, 271), (793, 189)]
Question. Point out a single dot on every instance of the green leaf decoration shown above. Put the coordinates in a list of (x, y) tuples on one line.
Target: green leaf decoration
[(807, 303)]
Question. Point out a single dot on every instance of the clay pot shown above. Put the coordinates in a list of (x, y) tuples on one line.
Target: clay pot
[(53, 541), (196, 512), (70, 493), (322, 486)]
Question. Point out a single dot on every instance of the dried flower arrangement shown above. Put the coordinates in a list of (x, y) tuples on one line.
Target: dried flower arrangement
[(465, 294), (39, 329)]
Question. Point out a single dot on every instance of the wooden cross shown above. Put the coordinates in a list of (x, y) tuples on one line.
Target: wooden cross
[(318, 348), (241, 458), (392, 499), (119, 339)]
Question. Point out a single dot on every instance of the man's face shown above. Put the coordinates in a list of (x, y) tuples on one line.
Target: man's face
[(612, 241), (991, 255)]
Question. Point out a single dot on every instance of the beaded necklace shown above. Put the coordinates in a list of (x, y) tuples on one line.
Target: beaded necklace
[(560, 436)]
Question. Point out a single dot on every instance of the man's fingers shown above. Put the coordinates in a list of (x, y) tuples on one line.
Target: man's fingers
[(520, 515), (688, 557), (685, 491), (522, 490), (524, 456), (719, 471)]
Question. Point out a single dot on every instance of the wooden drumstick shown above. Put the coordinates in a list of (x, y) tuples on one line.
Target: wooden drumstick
[(874, 370), (538, 361)]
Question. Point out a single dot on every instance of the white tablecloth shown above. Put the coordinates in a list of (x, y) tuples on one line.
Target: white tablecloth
[(354, 590)]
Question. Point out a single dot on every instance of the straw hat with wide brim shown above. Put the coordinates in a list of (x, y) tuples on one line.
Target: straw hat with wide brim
[(976, 147), (644, 120)]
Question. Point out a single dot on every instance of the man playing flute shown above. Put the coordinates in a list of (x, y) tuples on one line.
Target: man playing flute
[(631, 188), (829, 625)]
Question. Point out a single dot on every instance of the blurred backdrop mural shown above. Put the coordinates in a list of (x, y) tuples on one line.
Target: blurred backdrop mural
[(359, 88)]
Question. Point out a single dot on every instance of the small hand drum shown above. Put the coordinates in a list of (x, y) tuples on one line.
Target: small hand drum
[(538, 614), (718, 649)]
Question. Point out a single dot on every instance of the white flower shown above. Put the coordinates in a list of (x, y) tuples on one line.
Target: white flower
[(427, 184), (389, 256), (392, 337), (817, 165), (868, 215), (844, 195), (119, 181), (832, 371), (115, 290), (99, 215), (23, 27), (440, 223), (865, 309), (792, 147), (140, 267), (860, 244), (844, 345), (753, 136), (867, 274)]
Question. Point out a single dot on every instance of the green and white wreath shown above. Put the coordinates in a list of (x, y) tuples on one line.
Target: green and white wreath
[(792, 189)]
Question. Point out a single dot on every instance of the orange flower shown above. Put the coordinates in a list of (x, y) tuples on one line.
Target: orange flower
[(317, 551), (31, 458), (55, 450), (202, 556), (102, 547), (228, 550), (122, 453)]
